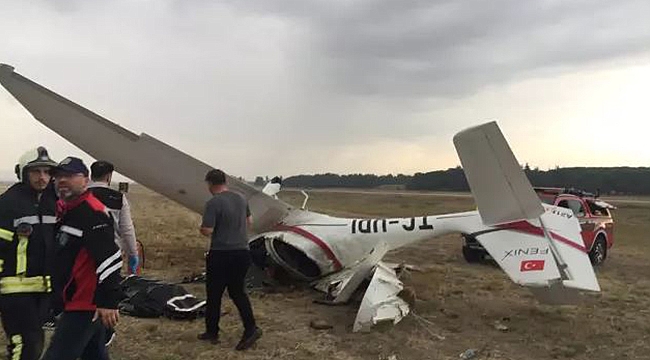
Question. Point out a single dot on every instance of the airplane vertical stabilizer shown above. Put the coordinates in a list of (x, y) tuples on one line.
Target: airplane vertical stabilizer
[(499, 186)]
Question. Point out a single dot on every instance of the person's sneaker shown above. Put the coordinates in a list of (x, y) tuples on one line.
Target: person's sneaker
[(248, 341), (50, 323), (213, 338)]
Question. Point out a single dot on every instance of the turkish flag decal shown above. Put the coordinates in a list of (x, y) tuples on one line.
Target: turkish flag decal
[(532, 265)]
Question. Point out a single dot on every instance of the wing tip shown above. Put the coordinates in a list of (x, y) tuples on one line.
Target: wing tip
[(6, 67), (6, 71)]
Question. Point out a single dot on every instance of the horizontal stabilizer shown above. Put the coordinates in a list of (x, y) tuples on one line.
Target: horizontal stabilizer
[(563, 229), (548, 255), (557, 294), (523, 254)]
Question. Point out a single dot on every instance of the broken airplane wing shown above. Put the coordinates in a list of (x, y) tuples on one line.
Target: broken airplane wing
[(139, 157)]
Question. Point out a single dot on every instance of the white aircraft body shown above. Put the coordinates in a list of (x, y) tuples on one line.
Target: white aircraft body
[(537, 245)]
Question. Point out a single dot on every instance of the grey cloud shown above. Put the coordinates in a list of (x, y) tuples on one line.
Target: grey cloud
[(301, 78), (452, 48)]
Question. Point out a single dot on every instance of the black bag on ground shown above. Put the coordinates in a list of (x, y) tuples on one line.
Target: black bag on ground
[(153, 298)]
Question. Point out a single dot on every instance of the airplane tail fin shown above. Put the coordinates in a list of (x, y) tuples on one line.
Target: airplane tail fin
[(501, 189), (537, 246)]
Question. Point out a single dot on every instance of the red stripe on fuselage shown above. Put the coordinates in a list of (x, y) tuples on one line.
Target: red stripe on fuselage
[(526, 227), (316, 240)]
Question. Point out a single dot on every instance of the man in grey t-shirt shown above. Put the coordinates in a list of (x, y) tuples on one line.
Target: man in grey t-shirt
[(225, 220), (223, 214)]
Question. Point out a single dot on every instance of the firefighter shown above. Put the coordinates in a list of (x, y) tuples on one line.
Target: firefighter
[(27, 220)]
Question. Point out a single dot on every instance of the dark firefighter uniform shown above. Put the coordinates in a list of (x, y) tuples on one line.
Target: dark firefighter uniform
[(27, 223)]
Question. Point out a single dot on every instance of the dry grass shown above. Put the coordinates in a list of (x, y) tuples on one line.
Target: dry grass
[(456, 300)]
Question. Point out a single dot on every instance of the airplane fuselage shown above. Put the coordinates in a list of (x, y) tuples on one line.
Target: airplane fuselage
[(334, 243)]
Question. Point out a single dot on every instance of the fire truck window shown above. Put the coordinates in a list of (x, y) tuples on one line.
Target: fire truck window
[(576, 207), (597, 210)]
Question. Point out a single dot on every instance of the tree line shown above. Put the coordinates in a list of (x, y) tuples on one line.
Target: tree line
[(607, 180)]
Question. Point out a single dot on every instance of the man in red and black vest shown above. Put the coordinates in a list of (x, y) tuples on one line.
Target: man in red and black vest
[(88, 267)]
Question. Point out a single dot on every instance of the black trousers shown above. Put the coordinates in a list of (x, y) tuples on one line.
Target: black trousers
[(227, 269), (78, 336), (23, 316)]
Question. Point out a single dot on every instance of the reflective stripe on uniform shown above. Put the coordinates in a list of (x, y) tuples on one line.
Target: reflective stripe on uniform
[(48, 219), (109, 261), (17, 346), (6, 235), (2, 262), (72, 231), (32, 220), (21, 255), (109, 266), (20, 284), (109, 271)]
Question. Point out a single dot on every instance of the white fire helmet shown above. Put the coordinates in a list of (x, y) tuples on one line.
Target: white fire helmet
[(33, 158)]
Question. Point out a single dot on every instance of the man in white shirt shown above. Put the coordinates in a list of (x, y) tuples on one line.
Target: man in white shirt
[(119, 209)]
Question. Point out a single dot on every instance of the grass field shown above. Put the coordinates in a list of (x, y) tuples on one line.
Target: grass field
[(456, 309)]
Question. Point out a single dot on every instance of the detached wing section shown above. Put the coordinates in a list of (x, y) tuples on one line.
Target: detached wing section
[(141, 158)]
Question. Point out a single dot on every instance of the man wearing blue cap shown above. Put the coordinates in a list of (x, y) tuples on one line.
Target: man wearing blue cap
[(88, 267)]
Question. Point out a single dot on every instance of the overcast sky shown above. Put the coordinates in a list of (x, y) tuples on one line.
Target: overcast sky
[(298, 86)]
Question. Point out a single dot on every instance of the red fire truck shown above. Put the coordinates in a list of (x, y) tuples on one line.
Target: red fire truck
[(593, 214)]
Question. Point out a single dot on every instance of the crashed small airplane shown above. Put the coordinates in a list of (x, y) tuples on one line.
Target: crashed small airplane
[(337, 254)]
